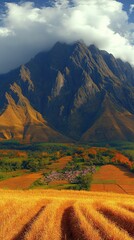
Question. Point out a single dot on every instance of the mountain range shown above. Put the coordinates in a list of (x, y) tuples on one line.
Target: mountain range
[(69, 93)]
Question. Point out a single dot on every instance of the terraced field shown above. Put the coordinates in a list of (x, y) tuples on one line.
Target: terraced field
[(65, 215)]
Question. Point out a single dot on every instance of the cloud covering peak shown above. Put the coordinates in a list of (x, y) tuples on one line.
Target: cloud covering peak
[(26, 30)]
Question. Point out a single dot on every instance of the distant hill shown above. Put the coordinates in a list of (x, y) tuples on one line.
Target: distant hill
[(79, 91)]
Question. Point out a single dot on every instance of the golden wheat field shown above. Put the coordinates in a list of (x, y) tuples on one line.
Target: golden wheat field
[(65, 215)]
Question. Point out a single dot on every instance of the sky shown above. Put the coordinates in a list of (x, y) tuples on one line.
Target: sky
[(127, 6), (27, 28)]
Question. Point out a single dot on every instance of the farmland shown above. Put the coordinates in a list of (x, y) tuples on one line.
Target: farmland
[(20, 182), (65, 166), (111, 178), (65, 215), (41, 213)]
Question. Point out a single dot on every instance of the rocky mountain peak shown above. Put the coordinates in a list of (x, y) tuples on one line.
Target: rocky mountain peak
[(82, 92)]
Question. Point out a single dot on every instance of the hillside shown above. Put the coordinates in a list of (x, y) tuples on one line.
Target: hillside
[(79, 91), (19, 120)]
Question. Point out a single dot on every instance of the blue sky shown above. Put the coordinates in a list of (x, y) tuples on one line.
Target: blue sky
[(126, 4)]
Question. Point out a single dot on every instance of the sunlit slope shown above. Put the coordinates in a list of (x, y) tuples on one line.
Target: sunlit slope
[(20, 120), (65, 215), (111, 124)]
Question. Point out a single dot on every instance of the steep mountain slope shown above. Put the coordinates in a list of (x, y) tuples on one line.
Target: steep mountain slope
[(83, 92), (21, 121), (111, 124)]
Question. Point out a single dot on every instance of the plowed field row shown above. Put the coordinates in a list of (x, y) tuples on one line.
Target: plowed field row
[(65, 215)]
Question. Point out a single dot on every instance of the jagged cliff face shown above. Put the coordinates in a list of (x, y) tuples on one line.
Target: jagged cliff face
[(19, 120), (83, 93)]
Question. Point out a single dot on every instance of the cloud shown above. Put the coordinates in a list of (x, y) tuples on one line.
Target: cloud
[(131, 8), (26, 30)]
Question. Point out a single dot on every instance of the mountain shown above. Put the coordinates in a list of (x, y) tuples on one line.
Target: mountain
[(72, 90), (19, 120)]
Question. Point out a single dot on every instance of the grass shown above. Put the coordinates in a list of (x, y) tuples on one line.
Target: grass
[(101, 181), (7, 175), (38, 184), (97, 168), (129, 152), (65, 215)]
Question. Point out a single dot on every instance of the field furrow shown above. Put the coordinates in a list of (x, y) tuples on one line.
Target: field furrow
[(20, 219), (28, 226), (128, 207), (71, 225), (65, 215), (123, 218), (89, 231), (107, 229)]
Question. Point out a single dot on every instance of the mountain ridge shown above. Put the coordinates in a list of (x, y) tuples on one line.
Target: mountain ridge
[(78, 90)]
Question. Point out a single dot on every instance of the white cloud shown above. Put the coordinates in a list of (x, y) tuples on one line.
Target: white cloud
[(131, 8), (25, 30)]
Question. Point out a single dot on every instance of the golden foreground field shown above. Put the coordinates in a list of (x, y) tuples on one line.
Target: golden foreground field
[(65, 215)]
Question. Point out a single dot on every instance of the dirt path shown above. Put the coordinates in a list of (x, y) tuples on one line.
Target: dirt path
[(21, 182), (113, 179)]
